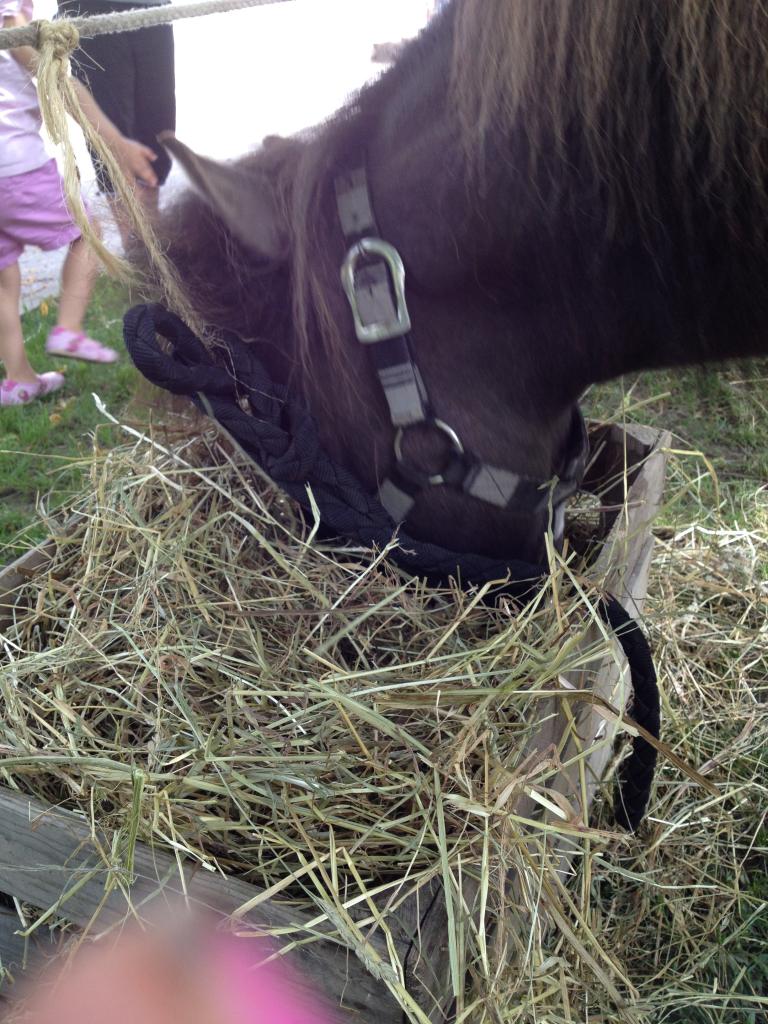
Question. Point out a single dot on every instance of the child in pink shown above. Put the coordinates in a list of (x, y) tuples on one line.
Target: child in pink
[(33, 212)]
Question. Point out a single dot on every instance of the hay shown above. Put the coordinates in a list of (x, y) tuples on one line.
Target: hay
[(689, 907), (201, 672)]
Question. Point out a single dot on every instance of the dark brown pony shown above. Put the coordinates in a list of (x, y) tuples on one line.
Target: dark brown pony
[(577, 189)]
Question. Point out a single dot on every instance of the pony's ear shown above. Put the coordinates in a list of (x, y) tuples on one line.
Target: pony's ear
[(241, 199)]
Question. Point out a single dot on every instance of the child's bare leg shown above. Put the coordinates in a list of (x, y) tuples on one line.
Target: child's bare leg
[(77, 279), (12, 351)]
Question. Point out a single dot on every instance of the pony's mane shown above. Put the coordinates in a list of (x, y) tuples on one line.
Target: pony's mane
[(619, 85)]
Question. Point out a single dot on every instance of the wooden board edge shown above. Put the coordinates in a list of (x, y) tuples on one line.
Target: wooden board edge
[(16, 575), (19, 955)]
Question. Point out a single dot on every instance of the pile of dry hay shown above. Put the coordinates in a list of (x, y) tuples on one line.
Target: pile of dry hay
[(306, 718)]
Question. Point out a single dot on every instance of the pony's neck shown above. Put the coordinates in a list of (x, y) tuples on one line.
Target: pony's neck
[(462, 246)]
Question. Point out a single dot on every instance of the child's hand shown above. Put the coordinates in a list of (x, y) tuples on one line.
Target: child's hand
[(136, 161)]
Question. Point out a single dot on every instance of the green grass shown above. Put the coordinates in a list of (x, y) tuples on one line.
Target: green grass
[(42, 444), (721, 412)]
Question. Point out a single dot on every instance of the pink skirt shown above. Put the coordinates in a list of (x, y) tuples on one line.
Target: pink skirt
[(33, 212)]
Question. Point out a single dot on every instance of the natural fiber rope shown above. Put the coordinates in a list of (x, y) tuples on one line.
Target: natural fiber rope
[(128, 21), (55, 42)]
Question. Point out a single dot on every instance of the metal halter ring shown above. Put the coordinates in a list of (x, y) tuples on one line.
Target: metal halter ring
[(388, 254), (435, 479)]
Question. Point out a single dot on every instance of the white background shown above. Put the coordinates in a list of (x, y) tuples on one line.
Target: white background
[(245, 74)]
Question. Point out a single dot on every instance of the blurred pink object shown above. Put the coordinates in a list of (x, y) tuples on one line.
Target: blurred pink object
[(182, 972), (266, 994)]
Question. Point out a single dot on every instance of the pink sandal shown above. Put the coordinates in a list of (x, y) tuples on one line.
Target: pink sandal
[(76, 345), (14, 392)]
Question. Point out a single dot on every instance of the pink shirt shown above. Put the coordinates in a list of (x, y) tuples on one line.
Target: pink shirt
[(21, 145)]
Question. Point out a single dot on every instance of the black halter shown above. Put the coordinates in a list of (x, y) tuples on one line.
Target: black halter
[(373, 277)]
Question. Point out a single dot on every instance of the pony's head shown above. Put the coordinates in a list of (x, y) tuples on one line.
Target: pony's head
[(576, 189)]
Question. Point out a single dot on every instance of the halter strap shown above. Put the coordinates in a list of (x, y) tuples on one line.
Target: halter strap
[(373, 276)]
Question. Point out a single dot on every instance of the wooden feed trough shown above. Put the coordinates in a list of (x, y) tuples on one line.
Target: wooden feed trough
[(51, 860)]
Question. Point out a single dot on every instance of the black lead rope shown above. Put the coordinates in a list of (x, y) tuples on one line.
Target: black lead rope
[(280, 435), (635, 774)]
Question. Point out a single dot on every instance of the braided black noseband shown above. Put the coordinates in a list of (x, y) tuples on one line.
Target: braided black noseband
[(280, 435)]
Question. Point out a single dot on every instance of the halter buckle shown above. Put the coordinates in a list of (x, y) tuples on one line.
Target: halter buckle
[(400, 322)]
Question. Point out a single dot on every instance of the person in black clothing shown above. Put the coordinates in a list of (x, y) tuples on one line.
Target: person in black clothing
[(131, 77)]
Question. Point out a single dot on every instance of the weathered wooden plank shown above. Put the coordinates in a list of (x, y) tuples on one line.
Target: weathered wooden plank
[(624, 562), (420, 928), (14, 577), (13, 949), (18, 954), (427, 963), (628, 474), (48, 857)]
